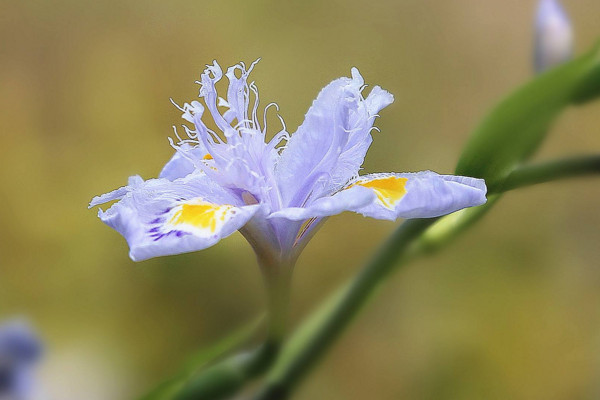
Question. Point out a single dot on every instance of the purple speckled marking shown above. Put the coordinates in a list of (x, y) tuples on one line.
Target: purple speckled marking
[(158, 236), (157, 220)]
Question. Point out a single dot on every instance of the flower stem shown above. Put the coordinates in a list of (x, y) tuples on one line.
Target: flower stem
[(277, 276), (277, 267)]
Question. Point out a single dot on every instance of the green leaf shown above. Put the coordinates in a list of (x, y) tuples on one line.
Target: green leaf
[(170, 388), (518, 125)]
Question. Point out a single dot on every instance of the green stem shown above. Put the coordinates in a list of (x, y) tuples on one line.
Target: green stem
[(546, 172), (277, 276), (277, 266)]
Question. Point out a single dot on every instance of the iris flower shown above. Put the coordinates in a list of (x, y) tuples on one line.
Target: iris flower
[(275, 191)]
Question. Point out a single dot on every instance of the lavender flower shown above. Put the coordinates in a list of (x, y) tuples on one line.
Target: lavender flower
[(20, 349), (277, 191), (553, 35)]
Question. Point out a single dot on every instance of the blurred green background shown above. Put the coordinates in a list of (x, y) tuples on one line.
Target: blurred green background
[(510, 311)]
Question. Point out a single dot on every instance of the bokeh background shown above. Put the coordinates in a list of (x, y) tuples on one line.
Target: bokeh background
[(510, 311)]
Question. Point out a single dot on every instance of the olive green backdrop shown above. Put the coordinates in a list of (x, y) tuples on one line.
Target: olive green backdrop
[(510, 311)]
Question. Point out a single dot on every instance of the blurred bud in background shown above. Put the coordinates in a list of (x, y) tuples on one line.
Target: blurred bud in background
[(20, 349), (553, 35)]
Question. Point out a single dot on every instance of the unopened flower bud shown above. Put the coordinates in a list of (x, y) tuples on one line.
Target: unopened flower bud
[(553, 35)]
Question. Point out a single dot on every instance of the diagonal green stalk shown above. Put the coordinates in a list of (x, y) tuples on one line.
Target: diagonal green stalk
[(548, 171), (412, 238)]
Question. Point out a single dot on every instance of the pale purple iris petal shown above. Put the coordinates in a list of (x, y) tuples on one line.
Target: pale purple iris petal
[(378, 99), (183, 161), (117, 194), (150, 218), (329, 147), (428, 195)]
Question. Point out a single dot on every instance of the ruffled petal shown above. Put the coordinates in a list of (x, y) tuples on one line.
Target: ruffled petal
[(391, 196), (237, 157), (419, 194), (329, 147), (159, 217)]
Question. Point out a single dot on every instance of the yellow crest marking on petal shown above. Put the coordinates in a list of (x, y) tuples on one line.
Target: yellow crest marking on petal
[(207, 157), (201, 215), (389, 190)]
